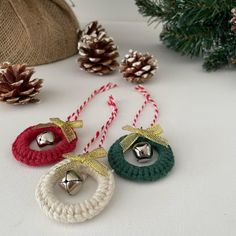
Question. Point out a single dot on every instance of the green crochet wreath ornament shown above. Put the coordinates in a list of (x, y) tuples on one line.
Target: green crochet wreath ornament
[(160, 168), (142, 141)]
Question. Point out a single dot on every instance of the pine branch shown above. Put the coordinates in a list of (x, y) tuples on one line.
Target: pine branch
[(195, 27), (155, 11), (187, 43), (216, 60), (222, 55)]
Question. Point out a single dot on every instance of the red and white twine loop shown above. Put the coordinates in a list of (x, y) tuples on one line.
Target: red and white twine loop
[(76, 114), (104, 128), (148, 99)]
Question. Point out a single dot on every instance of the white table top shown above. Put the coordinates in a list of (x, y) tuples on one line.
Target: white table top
[(197, 113)]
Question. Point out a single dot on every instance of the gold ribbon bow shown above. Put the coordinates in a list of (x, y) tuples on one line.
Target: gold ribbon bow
[(153, 133), (89, 160), (66, 127)]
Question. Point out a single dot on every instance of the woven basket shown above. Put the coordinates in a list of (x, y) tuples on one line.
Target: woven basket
[(37, 31)]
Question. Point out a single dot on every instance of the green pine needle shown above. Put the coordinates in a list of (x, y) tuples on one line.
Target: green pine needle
[(195, 28)]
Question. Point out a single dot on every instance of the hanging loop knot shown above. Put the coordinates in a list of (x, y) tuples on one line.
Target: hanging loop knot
[(153, 134), (89, 159)]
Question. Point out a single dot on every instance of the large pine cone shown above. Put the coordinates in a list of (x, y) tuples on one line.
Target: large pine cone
[(16, 86), (137, 67), (97, 52)]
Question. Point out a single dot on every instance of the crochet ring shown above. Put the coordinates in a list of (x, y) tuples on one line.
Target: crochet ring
[(153, 172), (78, 212), (23, 153)]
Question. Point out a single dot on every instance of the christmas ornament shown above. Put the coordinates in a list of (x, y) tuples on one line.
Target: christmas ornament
[(84, 165), (65, 137), (97, 52), (142, 141), (45, 138), (233, 20), (16, 85), (137, 67), (195, 28), (37, 32), (143, 152), (71, 183)]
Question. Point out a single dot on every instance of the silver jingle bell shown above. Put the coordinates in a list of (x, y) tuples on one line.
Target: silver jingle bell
[(45, 138), (71, 183), (143, 152)]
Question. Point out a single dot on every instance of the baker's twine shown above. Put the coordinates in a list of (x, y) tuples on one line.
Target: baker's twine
[(148, 100)]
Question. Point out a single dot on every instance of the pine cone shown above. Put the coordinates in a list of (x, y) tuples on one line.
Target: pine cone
[(97, 52), (16, 86), (93, 29), (137, 67), (233, 20)]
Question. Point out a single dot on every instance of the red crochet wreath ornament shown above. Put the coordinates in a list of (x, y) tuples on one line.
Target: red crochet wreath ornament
[(65, 142), (65, 136)]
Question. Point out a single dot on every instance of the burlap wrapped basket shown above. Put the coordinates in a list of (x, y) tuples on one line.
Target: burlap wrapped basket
[(37, 31)]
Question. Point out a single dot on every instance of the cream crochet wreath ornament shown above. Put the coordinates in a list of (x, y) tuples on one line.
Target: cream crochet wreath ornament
[(83, 166), (74, 213)]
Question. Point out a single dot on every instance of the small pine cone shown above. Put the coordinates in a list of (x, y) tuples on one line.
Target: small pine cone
[(16, 86), (233, 11), (97, 52), (233, 20), (137, 67)]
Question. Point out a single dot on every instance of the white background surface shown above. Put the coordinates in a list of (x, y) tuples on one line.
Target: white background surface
[(197, 113), (108, 10)]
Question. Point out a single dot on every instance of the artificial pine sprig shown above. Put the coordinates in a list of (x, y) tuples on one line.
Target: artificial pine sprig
[(195, 28)]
